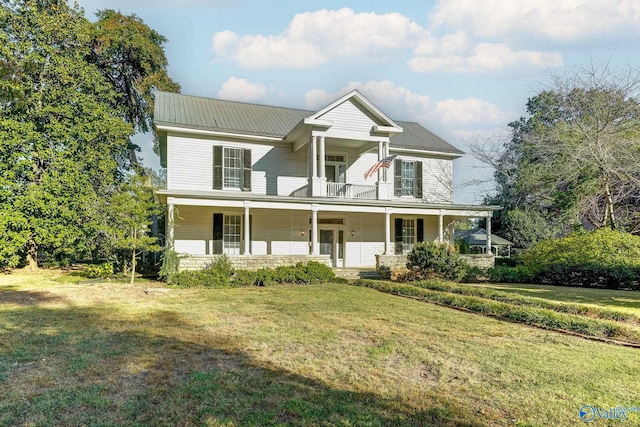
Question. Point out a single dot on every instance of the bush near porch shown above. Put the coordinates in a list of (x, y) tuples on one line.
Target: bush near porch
[(221, 274)]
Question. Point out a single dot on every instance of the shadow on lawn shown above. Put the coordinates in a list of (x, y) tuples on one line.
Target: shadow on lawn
[(78, 365), (14, 297)]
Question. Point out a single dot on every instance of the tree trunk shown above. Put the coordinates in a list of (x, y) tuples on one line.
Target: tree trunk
[(609, 211), (133, 264), (32, 255)]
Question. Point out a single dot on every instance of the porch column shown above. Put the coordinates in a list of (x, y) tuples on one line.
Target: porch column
[(380, 157), (314, 158), (170, 225), (452, 233), (385, 153), (441, 227), (387, 231), (488, 228), (247, 229), (321, 156), (315, 248)]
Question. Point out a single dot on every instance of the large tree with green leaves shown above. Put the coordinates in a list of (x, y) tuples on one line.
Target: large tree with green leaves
[(62, 145), (131, 57), (575, 159), (72, 93)]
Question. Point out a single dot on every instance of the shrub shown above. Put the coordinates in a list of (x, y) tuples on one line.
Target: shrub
[(99, 271), (502, 274), (217, 274), (437, 260), (170, 265), (601, 258), (601, 247)]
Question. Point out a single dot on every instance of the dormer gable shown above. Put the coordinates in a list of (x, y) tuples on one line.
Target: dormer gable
[(355, 113)]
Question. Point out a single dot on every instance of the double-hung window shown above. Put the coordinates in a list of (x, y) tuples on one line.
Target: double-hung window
[(408, 178), (408, 232), (231, 168)]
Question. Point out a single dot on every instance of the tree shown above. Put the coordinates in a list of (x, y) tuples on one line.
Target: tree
[(575, 160), (62, 146), (131, 57), (129, 214)]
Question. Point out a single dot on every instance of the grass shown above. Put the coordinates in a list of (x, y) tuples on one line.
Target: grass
[(626, 301), (111, 354)]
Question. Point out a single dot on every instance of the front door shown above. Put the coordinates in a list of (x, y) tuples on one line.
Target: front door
[(332, 244)]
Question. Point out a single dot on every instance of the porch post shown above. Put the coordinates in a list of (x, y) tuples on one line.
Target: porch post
[(385, 153), (170, 225), (488, 228), (315, 248), (380, 157), (314, 158), (321, 156), (441, 227), (247, 229), (387, 231)]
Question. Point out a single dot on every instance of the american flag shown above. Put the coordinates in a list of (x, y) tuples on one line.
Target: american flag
[(384, 163)]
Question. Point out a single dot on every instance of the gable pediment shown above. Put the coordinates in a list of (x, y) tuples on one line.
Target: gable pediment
[(354, 113)]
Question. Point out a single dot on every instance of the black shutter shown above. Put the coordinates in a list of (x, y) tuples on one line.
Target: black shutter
[(398, 235), (417, 189), (218, 225), (217, 168), (397, 179), (246, 170), (420, 230)]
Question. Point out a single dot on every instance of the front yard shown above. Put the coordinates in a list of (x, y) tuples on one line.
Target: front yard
[(114, 354)]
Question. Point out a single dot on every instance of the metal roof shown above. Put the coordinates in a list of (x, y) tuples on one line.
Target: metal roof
[(478, 237), (192, 112)]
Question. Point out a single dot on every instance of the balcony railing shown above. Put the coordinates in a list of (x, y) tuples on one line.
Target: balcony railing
[(351, 191)]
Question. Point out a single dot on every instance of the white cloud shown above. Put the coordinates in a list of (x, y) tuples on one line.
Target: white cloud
[(235, 89), (314, 38), (395, 101), (459, 57), (562, 20), (470, 111), (402, 104)]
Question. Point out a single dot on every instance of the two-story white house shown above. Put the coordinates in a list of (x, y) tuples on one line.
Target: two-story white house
[(271, 186)]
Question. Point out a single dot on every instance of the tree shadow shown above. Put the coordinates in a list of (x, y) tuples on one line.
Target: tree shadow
[(10, 295), (75, 365)]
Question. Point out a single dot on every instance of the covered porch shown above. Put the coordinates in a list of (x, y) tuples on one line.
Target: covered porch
[(349, 235)]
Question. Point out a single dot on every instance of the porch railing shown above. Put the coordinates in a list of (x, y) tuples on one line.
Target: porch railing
[(351, 191)]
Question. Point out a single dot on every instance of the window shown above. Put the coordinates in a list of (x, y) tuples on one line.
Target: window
[(228, 233), (407, 233), (408, 178), (231, 168), (408, 173), (232, 234)]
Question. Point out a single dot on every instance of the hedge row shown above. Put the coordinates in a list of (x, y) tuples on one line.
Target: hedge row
[(511, 298), (578, 275), (535, 316), (220, 274)]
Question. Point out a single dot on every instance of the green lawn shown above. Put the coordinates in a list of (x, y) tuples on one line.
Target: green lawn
[(628, 301), (111, 354)]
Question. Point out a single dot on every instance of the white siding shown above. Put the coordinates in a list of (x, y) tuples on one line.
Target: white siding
[(190, 165), (437, 181), (349, 116)]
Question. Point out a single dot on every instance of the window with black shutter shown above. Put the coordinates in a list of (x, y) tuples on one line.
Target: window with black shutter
[(398, 236), (218, 232)]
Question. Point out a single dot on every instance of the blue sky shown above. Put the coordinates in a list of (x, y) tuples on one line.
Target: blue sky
[(462, 68)]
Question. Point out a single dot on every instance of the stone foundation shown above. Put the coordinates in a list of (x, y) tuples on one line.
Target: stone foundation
[(390, 262), (399, 262), (252, 262)]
